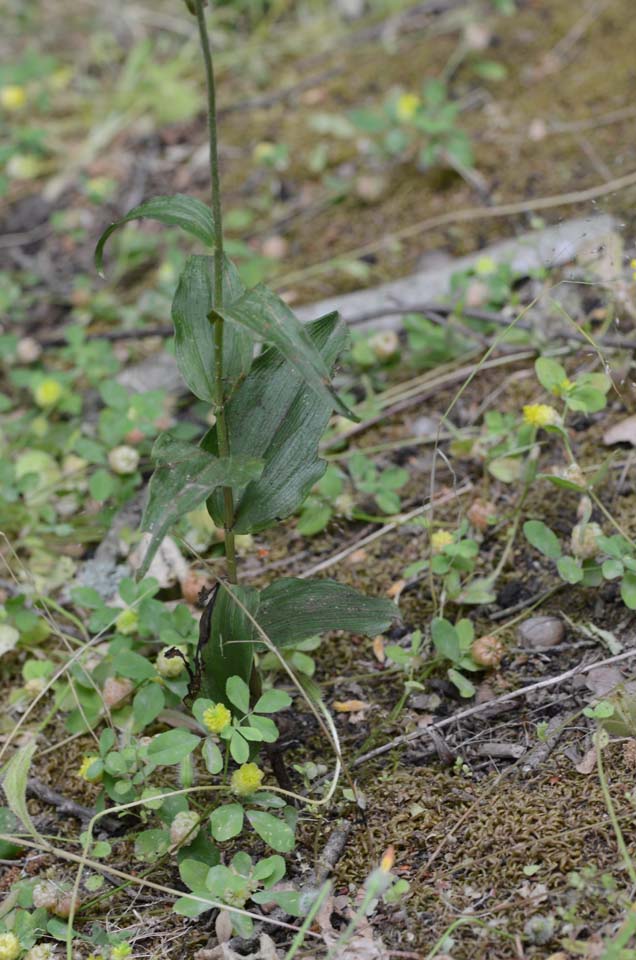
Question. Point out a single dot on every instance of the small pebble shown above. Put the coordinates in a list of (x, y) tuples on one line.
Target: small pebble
[(540, 633)]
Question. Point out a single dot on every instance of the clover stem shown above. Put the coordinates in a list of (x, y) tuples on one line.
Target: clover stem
[(221, 422)]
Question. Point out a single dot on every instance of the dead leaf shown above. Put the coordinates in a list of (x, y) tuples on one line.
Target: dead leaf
[(622, 432), (587, 765), (350, 706), (362, 945), (223, 926), (378, 649), (358, 556), (168, 564)]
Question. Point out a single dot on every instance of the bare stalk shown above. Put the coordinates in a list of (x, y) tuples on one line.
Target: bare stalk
[(221, 423)]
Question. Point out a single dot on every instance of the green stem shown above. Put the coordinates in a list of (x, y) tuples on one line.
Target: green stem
[(219, 399)]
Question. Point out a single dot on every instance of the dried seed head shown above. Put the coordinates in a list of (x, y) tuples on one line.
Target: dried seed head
[(385, 344), (123, 460), (192, 585), (481, 514), (584, 540), (45, 895), (28, 350), (183, 828), (487, 651), (64, 904)]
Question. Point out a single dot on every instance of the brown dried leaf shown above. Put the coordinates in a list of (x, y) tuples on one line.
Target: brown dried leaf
[(378, 649), (587, 765), (350, 706), (622, 432)]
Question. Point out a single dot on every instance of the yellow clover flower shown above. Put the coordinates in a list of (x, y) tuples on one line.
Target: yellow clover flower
[(441, 539), (540, 415), (216, 719), (86, 764), (246, 779), (120, 951), (10, 947), (127, 622), (406, 106), (12, 97), (47, 393)]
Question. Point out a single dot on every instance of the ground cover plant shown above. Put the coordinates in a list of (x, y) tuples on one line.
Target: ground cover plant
[(315, 637)]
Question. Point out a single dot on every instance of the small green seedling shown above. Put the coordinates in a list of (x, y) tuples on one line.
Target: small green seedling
[(422, 126)]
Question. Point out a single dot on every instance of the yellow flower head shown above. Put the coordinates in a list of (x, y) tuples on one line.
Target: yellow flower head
[(127, 622), (10, 948), (264, 152), (406, 106), (540, 415), (85, 766), (120, 951), (47, 393), (485, 266), (12, 97), (441, 539), (216, 718), (247, 779)]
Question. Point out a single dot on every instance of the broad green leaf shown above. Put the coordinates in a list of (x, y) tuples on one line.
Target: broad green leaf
[(272, 701), (561, 482), (229, 650), (628, 590), (264, 314), (194, 873), (445, 639), (178, 210), (239, 748), (293, 609), (238, 693), (187, 907), (9, 824), (171, 747), (14, 784), (463, 684), (226, 821), (266, 727), (269, 870), (616, 546), (550, 374), (569, 569), (479, 590), (129, 664), (152, 844), (276, 833), (313, 519), (185, 475), (291, 901), (253, 734), (194, 331), (586, 399), (276, 416), (506, 469), (148, 703), (612, 568), (212, 756), (542, 538)]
